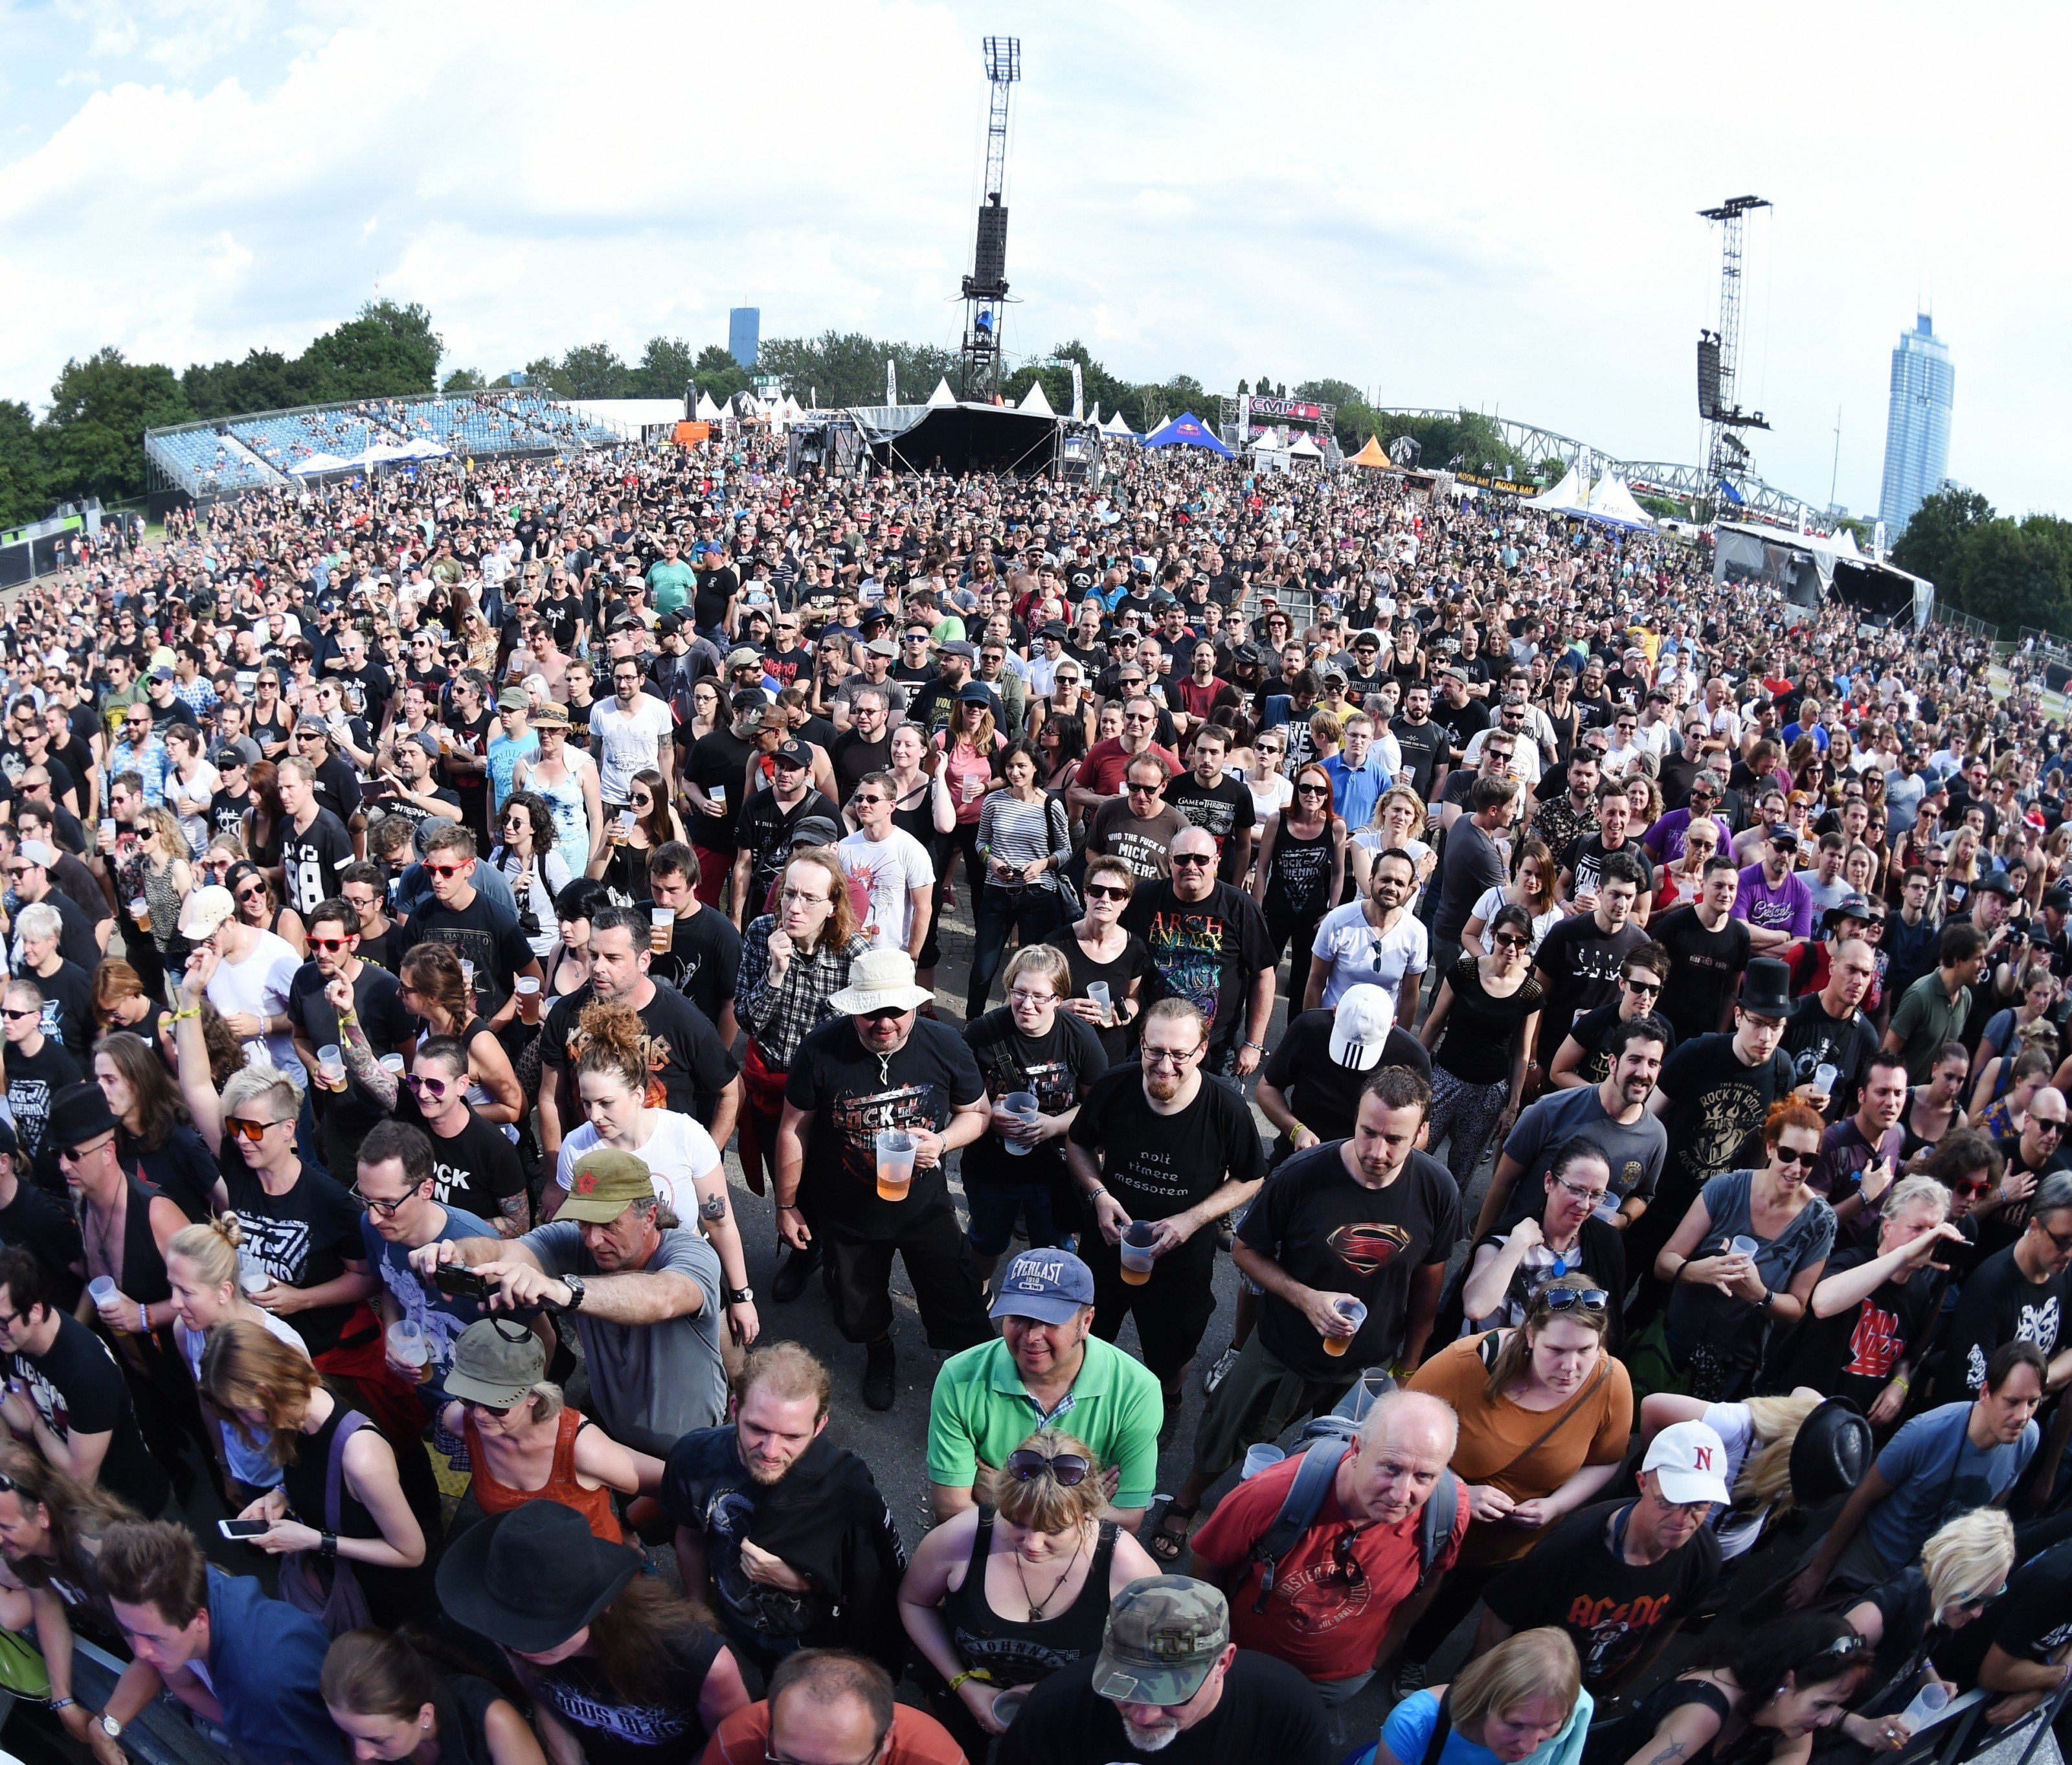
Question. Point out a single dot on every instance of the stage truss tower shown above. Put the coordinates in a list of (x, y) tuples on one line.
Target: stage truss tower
[(985, 288), (1726, 456)]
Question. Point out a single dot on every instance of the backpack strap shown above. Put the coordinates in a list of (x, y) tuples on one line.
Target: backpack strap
[(1299, 1508), (1442, 1723), (1435, 1529)]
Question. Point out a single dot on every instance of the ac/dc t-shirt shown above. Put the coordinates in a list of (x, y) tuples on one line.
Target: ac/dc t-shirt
[(1325, 1228), (851, 1095), (1157, 1166), (1855, 1353), (302, 1239), (1577, 1580), (1052, 1066)]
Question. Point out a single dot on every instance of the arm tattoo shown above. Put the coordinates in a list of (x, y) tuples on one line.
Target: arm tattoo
[(360, 1062), (1669, 1754), (514, 1216), (713, 1209)]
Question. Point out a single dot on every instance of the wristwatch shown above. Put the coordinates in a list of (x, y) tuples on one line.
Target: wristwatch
[(109, 1727), (738, 1296), (574, 1284)]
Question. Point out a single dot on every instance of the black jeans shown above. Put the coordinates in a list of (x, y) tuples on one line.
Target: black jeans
[(1035, 912)]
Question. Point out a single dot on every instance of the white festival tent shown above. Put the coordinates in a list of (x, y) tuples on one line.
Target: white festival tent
[(1116, 427), (707, 411), (1303, 447), (1034, 402), (942, 398), (318, 464), (1563, 495), (1606, 498)]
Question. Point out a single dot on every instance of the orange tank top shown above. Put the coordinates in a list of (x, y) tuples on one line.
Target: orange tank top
[(562, 1484)]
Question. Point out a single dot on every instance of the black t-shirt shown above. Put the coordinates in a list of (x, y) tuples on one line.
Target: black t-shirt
[(1157, 1166), (851, 1094), (1053, 1065), (1325, 1228), (1855, 1353), (1582, 961), (77, 1389), (852, 756), (1813, 1039), (1704, 968), (613, 1732), (479, 933), (718, 762), (68, 1006), (377, 1002), (1267, 1714), (226, 812), (1594, 1029), (687, 1063), (337, 785), (33, 1079), (1224, 809), (476, 1171), (1206, 952), (703, 958), (1133, 963), (1584, 859), (1716, 1107), (1576, 1579), (311, 860), (1324, 1095), (1998, 1304), (301, 1238), (764, 827), (2031, 1621), (1423, 747)]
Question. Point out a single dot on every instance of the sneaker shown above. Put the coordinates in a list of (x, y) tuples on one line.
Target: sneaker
[(1223, 1363), (877, 1370), (1408, 1677), (791, 1278)]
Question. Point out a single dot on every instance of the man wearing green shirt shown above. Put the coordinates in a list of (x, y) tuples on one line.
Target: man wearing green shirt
[(1933, 1010), (1046, 1370), (670, 579)]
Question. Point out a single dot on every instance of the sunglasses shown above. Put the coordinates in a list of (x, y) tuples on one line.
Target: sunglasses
[(1313, 790), (253, 1131), (1789, 1155), (1511, 941), (1570, 1299), (444, 870), (329, 943), (1025, 1464), (22, 1017), (1105, 891), (1348, 1567), (1648, 988), (890, 1014)]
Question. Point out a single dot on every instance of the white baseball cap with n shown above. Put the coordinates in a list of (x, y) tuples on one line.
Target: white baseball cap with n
[(1689, 1460), (1359, 1031)]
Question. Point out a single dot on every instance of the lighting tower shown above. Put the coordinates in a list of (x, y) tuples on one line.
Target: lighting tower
[(985, 288), (1719, 352)]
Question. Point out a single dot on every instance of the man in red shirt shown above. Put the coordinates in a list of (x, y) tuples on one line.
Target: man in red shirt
[(1101, 773), (1346, 1594), (824, 1704)]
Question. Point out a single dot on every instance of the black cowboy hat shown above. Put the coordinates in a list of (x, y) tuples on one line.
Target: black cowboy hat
[(531, 1579), (1829, 1454)]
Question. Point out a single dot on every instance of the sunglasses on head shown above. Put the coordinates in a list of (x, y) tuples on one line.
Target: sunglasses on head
[(1025, 1464), (1570, 1299)]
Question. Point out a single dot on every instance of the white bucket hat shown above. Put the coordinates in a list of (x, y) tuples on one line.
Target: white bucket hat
[(880, 980)]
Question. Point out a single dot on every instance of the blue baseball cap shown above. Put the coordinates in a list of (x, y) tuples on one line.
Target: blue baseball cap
[(1051, 1286)]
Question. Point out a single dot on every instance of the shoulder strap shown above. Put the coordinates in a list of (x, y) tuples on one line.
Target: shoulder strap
[(1434, 1525), (335, 1473), (1554, 1427), (1442, 1728), (1299, 1508)]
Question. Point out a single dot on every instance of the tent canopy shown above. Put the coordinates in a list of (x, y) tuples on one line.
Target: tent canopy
[(942, 396), (1303, 447), (1371, 455), (970, 437), (1034, 402), (1187, 430), (1115, 425)]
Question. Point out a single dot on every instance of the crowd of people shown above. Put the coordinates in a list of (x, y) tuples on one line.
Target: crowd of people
[(1644, 1182)]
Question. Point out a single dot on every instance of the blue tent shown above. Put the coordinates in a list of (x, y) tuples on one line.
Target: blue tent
[(1187, 430)]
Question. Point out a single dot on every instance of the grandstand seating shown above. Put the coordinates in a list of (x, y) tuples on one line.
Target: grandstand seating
[(218, 462)]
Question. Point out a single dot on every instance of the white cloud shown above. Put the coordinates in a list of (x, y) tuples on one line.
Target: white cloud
[(1467, 204)]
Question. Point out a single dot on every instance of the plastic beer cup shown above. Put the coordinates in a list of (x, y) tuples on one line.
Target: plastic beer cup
[(1354, 1311), (330, 1067), (1139, 1240), (1019, 1107), (661, 929), (895, 1163), (140, 911), (1097, 991), (527, 990)]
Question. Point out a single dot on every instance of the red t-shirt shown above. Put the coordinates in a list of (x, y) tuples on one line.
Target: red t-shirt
[(1102, 768), (1320, 1623), (917, 1738)]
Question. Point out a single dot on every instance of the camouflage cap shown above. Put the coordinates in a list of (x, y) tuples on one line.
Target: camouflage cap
[(1165, 1634), (605, 1183)]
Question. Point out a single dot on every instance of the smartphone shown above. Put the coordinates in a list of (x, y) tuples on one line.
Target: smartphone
[(243, 1528)]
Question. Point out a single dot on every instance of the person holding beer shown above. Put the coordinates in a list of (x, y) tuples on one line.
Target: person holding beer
[(1163, 1156), (346, 1014), (879, 1069)]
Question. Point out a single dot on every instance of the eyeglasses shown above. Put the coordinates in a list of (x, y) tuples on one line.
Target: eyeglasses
[(253, 1131), (1793, 1155), (387, 1209), (1025, 1464), (1572, 1298), (1168, 1057), (1593, 1196)]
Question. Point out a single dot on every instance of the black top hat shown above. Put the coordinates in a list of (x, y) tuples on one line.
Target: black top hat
[(531, 1579), (1766, 987), (77, 1113), (1829, 1454)]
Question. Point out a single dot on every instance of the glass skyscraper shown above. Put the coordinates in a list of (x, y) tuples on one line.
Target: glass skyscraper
[(1917, 424), (744, 328)]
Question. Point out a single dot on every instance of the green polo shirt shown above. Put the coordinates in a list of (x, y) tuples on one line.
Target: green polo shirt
[(981, 1410), (1926, 1018)]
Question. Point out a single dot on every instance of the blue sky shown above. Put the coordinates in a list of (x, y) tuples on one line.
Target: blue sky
[(1466, 204)]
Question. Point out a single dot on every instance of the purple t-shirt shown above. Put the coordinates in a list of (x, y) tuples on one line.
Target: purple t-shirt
[(1787, 907), (1664, 839)]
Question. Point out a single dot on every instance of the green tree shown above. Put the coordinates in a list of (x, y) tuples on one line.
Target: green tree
[(848, 367), (464, 380), (99, 409), (664, 367), (265, 380), (2012, 576), (24, 474), (1934, 544), (387, 351), (593, 371), (546, 375), (716, 372)]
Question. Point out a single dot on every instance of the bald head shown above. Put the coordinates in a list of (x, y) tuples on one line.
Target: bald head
[(1405, 1440), (1403, 1417)]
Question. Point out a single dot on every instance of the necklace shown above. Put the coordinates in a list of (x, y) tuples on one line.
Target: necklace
[(1035, 1606)]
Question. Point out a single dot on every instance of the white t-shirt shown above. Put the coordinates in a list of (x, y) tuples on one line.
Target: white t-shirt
[(1735, 1428), (1492, 904), (888, 868), (627, 741), (258, 986), (678, 1152), (1355, 954), (200, 788)]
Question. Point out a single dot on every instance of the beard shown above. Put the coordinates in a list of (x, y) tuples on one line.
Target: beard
[(1153, 1739), (1162, 1083)]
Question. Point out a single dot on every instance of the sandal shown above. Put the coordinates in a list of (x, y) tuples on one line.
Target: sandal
[(1167, 1540)]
